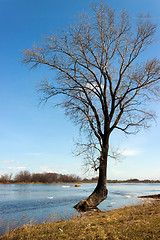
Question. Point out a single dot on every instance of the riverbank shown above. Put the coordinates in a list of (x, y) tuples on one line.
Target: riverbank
[(86, 181), (135, 222), (155, 196)]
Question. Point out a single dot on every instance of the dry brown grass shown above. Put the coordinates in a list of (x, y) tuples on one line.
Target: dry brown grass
[(135, 222)]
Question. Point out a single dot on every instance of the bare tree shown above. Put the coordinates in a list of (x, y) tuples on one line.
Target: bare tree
[(23, 176), (6, 178), (103, 83)]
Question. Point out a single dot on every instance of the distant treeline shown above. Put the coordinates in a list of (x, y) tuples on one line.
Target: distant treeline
[(132, 180), (27, 177)]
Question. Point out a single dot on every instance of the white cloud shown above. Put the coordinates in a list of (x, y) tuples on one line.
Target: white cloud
[(45, 169), (116, 173), (16, 168), (35, 154), (56, 170), (130, 152), (8, 161), (2, 172)]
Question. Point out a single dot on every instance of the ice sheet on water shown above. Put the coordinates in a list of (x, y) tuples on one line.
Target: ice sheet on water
[(128, 196)]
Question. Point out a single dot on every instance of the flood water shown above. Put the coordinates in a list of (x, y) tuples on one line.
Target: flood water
[(42, 200)]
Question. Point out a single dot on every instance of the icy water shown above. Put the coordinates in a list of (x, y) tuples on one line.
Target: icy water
[(42, 200)]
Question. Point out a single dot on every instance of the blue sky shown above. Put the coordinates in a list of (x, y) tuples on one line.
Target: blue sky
[(38, 138)]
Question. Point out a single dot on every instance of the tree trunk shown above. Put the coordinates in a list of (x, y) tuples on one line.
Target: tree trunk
[(100, 192)]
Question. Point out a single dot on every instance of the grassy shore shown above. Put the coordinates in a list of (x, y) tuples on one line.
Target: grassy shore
[(135, 222)]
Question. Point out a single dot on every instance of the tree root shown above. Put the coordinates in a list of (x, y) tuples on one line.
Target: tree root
[(91, 202)]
